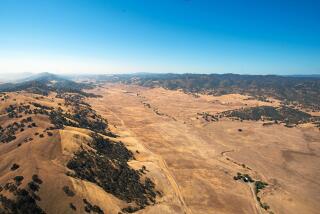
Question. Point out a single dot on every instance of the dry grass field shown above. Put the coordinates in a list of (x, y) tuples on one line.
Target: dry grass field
[(201, 158), (192, 161), (37, 153)]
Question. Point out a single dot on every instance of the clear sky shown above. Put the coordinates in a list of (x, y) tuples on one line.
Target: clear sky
[(197, 36)]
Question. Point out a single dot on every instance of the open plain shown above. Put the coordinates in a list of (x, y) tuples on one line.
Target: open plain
[(202, 157)]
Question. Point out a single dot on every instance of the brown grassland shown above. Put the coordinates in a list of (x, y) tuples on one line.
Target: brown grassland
[(192, 161), (201, 157), (47, 157)]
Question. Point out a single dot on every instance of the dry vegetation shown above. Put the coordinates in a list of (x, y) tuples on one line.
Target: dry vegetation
[(57, 155), (203, 154), (127, 148)]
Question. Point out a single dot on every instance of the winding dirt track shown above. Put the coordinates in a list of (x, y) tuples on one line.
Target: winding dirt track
[(251, 185)]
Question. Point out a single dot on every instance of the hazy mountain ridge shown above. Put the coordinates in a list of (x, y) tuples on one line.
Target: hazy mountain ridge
[(304, 91), (44, 83)]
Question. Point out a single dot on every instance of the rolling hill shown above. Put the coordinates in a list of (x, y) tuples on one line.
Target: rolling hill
[(59, 156)]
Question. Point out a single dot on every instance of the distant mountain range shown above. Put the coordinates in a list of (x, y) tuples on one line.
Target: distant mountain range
[(27, 76), (301, 90), (43, 83), (294, 89), (305, 75)]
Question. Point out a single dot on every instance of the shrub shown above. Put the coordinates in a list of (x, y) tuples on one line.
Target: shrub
[(68, 191), (260, 185), (14, 166), (33, 186), (73, 207), (18, 179), (36, 179)]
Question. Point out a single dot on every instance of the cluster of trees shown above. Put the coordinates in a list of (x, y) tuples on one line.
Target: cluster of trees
[(88, 207), (14, 166), (302, 91), (88, 118), (15, 111), (58, 119), (38, 105), (258, 185), (24, 200), (4, 96), (74, 99), (281, 114), (83, 116), (108, 168), (113, 150), (130, 209), (244, 177), (209, 117), (8, 133), (68, 191)]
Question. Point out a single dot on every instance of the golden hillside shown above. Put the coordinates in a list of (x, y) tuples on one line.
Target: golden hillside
[(58, 156)]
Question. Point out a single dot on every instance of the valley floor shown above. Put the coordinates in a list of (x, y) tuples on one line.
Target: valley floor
[(201, 158)]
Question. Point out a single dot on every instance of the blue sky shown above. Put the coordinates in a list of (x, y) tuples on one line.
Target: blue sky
[(197, 36)]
